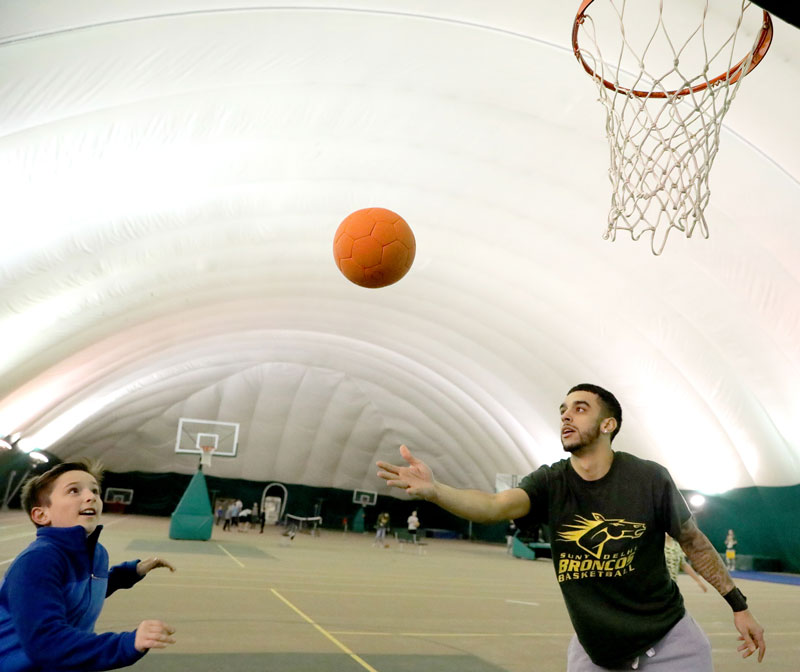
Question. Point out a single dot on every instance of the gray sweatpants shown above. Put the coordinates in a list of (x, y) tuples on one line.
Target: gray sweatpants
[(684, 647)]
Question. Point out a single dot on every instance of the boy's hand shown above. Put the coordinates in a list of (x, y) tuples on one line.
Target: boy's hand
[(153, 635), (145, 566)]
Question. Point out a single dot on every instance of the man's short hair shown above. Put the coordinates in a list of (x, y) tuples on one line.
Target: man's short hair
[(37, 489), (609, 401)]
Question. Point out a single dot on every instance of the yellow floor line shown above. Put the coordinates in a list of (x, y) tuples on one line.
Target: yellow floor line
[(230, 555), (350, 653)]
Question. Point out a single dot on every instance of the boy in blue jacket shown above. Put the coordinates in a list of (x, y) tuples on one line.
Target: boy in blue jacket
[(53, 592)]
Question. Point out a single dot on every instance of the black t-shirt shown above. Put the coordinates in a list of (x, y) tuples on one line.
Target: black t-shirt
[(607, 539)]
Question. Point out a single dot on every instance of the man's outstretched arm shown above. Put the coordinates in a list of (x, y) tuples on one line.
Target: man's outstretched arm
[(481, 507), (709, 565)]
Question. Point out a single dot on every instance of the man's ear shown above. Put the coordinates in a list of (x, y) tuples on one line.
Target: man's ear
[(608, 425), (40, 516)]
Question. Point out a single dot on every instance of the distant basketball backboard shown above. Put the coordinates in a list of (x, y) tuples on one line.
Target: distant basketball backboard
[(118, 496), (506, 481), (195, 434), (365, 497), (117, 500)]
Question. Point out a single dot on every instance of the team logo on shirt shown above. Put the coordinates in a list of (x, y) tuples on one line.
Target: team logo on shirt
[(593, 534), (592, 559)]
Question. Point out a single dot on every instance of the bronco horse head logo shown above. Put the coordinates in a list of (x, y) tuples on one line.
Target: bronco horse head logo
[(592, 535)]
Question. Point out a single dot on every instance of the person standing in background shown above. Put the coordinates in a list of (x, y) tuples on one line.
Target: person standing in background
[(237, 509), (413, 526), (381, 527), (228, 517), (511, 532), (676, 561), (730, 550)]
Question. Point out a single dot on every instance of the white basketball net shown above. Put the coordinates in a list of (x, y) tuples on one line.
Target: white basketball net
[(663, 141), (205, 455)]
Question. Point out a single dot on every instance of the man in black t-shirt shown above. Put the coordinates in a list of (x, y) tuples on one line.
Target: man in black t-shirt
[(607, 512)]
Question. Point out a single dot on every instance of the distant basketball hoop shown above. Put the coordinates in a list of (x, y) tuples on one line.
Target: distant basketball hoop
[(117, 500), (205, 438), (664, 110), (205, 456), (365, 497)]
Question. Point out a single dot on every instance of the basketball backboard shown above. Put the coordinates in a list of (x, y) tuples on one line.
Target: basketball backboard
[(194, 434), (788, 11), (118, 496), (506, 481), (365, 497)]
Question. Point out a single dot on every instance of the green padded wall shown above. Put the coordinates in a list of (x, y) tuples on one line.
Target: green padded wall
[(766, 522), (192, 518)]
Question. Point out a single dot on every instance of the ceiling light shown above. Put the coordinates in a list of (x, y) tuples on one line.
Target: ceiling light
[(697, 500)]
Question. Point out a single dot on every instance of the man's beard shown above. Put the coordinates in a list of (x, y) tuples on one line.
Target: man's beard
[(584, 440)]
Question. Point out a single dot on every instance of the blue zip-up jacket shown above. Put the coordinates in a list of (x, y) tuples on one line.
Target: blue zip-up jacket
[(50, 599)]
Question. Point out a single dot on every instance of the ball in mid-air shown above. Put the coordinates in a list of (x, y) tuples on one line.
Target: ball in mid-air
[(374, 247)]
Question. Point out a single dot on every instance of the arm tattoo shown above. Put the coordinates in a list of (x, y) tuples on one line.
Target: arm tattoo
[(704, 557)]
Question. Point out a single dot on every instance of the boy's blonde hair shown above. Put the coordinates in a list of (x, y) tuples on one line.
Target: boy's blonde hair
[(37, 489)]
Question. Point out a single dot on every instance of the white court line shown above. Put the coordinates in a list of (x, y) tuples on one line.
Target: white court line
[(113, 522), (230, 555), (30, 533), (533, 604), (5, 562)]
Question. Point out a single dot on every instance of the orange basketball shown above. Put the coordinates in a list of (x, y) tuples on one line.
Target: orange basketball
[(374, 247)]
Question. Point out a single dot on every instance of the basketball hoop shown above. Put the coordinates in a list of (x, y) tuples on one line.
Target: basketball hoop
[(663, 127), (205, 456)]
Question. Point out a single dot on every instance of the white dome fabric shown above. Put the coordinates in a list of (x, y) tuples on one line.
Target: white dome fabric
[(173, 174)]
